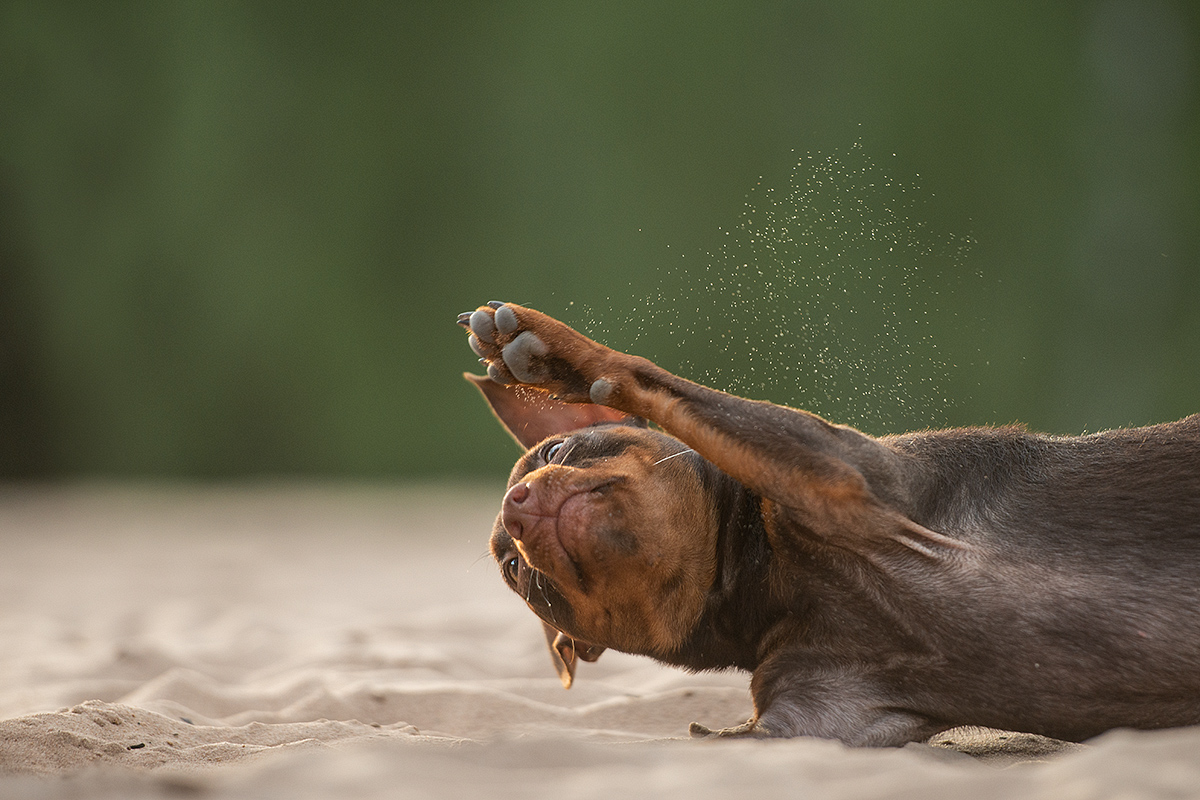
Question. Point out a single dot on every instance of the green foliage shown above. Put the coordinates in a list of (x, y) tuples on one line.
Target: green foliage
[(233, 239)]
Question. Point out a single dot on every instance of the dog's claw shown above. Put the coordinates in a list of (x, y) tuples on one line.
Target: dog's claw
[(464, 319), (495, 303)]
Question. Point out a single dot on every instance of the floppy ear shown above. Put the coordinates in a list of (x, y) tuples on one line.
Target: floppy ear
[(530, 415), (565, 652)]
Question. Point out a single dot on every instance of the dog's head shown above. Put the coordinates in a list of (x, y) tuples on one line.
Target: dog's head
[(606, 530)]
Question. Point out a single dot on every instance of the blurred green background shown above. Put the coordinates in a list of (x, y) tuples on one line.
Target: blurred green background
[(234, 237)]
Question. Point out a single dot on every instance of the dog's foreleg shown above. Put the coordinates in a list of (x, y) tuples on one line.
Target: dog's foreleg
[(834, 479)]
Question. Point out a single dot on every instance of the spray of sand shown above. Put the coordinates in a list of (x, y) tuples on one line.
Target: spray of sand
[(821, 295)]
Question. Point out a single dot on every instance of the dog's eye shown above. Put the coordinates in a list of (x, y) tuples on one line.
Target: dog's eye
[(551, 451), (511, 569)]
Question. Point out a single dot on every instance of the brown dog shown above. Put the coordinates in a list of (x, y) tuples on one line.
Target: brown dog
[(879, 590)]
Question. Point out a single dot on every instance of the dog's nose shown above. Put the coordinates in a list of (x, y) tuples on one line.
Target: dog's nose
[(514, 512)]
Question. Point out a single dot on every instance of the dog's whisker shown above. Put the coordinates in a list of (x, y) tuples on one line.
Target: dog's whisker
[(673, 455), (570, 448), (535, 578)]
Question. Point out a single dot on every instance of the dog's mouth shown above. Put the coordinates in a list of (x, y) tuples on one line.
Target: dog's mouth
[(541, 593)]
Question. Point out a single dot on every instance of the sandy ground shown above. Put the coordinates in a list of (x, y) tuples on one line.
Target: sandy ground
[(331, 642)]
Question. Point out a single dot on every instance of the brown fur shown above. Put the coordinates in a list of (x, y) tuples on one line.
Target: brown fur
[(879, 590)]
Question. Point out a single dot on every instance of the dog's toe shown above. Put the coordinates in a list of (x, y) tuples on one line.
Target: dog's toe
[(483, 327), (506, 320), (498, 373)]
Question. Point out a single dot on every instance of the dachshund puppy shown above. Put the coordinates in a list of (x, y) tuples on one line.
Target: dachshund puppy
[(879, 590)]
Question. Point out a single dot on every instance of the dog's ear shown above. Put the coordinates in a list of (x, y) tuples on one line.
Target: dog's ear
[(530, 416), (566, 652)]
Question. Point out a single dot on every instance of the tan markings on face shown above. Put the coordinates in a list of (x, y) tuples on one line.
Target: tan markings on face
[(645, 547)]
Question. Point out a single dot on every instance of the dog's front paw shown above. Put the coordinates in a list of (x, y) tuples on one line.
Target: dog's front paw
[(524, 346), (513, 354), (747, 730)]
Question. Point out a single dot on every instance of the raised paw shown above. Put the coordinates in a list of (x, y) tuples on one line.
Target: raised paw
[(523, 346)]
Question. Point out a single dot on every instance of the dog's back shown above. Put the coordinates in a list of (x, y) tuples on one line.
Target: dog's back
[(1087, 592), (1054, 494)]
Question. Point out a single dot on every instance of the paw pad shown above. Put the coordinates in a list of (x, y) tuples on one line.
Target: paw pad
[(521, 354), (601, 391)]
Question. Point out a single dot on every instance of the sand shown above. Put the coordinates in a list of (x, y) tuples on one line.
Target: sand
[(283, 641)]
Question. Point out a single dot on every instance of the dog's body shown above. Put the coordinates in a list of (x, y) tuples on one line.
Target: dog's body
[(879, 590)]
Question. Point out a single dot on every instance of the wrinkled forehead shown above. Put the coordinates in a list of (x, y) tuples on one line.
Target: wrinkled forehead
[(588, 446)]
